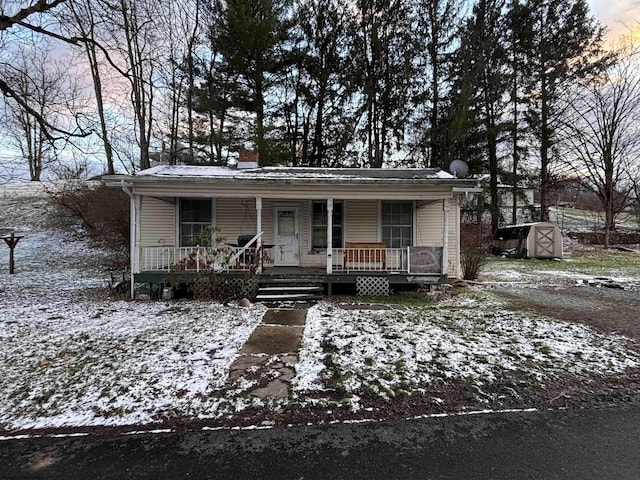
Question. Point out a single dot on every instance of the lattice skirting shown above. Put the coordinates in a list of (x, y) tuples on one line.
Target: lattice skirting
[(373, 286)]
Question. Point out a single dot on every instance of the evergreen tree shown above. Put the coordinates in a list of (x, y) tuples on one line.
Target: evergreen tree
[(328, 93), (383, 51), (437, 22), (251, 39), (561, 38), (481, 94)]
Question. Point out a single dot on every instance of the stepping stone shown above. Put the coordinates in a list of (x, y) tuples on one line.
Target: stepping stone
[(274, 389), (273, 340), (287, 316)]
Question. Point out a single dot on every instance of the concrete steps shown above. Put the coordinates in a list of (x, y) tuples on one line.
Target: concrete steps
[(289, 291)]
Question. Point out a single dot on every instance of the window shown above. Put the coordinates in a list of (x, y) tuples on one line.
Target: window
[(319, 224), (397, 224), (196, 215)]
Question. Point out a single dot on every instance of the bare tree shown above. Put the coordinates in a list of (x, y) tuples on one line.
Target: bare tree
[(40, 83), (604, 135), (24, 21), (178, 74), (84, 22)]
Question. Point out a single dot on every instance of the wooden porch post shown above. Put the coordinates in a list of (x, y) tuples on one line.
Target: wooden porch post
[(258, 230), (329, 236), (445, 235), (259, 218)]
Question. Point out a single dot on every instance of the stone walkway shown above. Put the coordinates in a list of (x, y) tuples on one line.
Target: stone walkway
[(267, 361)]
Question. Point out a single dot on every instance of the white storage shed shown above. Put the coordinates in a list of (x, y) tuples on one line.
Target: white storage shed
[(529, 240)]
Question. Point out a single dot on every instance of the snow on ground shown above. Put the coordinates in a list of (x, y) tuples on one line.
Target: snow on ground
[(110, 363), (620, 267), (391, 352), (71, 356)]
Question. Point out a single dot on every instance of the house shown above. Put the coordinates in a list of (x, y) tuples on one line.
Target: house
[(375, 227)]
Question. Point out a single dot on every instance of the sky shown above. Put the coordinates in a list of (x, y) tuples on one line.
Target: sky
[(619, 16)]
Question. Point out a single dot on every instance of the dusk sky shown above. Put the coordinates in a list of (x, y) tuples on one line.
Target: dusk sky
[(617, 15)]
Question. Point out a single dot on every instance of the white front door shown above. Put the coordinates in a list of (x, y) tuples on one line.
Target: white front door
[(286, 251)]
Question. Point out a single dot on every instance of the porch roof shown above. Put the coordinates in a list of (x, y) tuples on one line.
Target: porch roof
[(294, 175)]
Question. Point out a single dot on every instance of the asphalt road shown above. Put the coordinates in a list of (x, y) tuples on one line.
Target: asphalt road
[(575, 444)]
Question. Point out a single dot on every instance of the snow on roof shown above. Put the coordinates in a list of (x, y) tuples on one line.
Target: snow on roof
[(295, 173)]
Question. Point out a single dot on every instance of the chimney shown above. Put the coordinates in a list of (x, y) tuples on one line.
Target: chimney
[(248, 159)]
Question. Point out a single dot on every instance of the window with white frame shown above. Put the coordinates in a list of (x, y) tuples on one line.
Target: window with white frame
[(196, 220), (397, 224), (319, 218)]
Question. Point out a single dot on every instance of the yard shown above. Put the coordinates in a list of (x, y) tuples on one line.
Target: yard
[(70, 356)]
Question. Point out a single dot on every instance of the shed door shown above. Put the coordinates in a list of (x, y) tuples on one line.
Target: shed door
[(545, 241), (287, 237)]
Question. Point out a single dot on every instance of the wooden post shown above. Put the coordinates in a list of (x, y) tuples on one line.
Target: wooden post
[(445, 236), (258, 231), (329, 236), (11, 242)]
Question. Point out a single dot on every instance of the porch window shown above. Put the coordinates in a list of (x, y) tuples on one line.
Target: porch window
[(196, 215), (319, 224), (397, 224)]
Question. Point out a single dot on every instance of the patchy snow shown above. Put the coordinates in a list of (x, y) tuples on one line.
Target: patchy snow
[(389, 352), (619, 267), (297, 173), (114, 363), (71, 356)]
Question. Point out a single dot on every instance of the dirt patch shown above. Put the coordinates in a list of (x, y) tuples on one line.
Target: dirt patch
[(608, 310)]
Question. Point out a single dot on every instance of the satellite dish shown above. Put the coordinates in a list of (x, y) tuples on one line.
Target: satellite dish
[(458, 168)]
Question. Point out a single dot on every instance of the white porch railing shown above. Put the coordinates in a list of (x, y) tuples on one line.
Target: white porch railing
[(412, 260), (196, 259)]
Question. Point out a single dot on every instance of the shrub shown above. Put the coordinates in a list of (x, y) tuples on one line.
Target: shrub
[(474, 249), (101, 213)]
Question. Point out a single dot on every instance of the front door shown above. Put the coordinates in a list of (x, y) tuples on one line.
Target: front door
[(286, 251)]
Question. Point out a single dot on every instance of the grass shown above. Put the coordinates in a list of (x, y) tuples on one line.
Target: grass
[(587, 262), (406, 299)]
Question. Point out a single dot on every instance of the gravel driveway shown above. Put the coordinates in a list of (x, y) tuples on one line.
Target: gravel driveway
[(606, 309)]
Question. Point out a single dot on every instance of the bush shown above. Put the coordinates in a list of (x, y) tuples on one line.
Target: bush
[(474, 249), (101, 213)]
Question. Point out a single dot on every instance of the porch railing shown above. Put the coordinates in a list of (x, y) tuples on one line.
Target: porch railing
[(370, 259), (196, 259), (412, 260)]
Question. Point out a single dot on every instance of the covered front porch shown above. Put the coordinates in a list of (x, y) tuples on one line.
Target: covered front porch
[(336, 225)]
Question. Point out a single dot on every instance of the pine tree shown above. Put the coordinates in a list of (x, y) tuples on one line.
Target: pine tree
[(560, 37), (481, 92)]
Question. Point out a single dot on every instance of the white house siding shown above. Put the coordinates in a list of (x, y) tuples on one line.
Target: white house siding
[(234, 217), (430, 222), (157, 223), (454, 238)]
